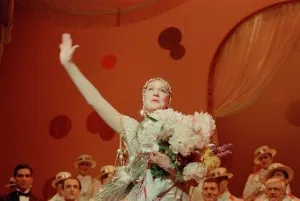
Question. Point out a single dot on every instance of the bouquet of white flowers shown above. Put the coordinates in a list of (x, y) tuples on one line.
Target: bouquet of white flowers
[(185, 139)]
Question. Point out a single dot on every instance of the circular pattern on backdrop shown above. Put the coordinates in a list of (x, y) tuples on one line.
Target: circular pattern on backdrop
[(60, 126), (177, 52), (95, 125), (292, 113), (169, 39), (109, 61)]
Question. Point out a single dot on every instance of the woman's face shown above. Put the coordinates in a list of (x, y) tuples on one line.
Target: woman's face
[(265, 160), (156, 96)]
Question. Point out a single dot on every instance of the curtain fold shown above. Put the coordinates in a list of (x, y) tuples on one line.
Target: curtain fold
[(251, 56)]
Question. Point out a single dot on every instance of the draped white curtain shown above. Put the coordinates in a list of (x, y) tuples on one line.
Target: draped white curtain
[(251, 56)]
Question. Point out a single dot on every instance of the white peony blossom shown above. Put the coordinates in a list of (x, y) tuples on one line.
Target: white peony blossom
[(194, 171), (183, 140), (204, 123), (185, 133), (150, 132), (188, 120)]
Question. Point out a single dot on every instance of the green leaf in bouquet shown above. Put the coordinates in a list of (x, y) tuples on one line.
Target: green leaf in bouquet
[(158, 172)]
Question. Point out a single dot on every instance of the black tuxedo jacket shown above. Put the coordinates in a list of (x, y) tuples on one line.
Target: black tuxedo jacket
[(13, 196)]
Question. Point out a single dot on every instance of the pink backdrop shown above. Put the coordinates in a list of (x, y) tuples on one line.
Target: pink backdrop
[(36, 89)]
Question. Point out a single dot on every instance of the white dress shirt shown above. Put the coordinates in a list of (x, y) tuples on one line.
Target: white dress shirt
[(23, 198)]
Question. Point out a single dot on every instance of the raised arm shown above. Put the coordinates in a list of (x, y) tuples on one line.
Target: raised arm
[(105, 110)]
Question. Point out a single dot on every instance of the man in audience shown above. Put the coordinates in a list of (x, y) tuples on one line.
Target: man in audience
[(84, 163), (71, 188), (210, 190), (286, 174), (57, 184), (263, 158), (23, 177), (223, 176), (275, 190)]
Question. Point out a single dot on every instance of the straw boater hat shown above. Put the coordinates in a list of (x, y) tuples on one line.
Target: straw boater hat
[(220, 172), (262, 151), (59, 177), (85, 158), (12, 183), (274, 167), (106, 170)]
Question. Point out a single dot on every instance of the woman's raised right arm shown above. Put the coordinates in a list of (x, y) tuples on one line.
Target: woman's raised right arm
[(93, 97)]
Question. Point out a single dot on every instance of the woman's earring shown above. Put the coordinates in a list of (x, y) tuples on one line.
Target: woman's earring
[(142, 112)]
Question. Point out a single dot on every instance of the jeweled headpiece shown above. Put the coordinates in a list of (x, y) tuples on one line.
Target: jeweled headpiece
[(165, 82)]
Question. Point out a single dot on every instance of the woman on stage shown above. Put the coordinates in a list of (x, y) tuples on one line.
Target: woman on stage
[(168, 151)]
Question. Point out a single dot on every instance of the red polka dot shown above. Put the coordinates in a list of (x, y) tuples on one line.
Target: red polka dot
[(177, 52), (60, 126), (293, 113), (95, 125), (169, 38), (109, 61)]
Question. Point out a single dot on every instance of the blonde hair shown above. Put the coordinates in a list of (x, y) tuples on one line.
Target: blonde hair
[(165, 82)]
